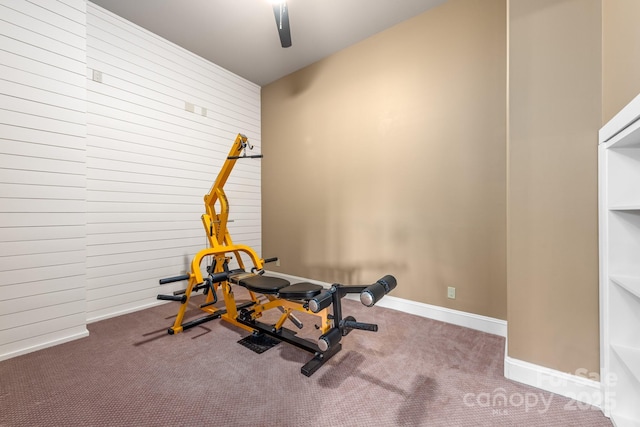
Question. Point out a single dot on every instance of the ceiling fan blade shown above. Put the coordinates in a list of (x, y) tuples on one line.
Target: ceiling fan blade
[(281, 11)]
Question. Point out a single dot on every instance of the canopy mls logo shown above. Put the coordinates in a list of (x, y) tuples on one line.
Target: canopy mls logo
[(500, 401)]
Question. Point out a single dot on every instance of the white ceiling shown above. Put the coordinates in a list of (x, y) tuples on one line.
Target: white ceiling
[(241, 35)]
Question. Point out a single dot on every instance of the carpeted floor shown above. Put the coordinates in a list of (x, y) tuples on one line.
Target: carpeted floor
[(412, 372)]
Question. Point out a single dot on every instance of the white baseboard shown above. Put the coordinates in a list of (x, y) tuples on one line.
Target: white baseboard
[(486, 324), (74, 336), (443, 314), (584, 392), (125, 311)]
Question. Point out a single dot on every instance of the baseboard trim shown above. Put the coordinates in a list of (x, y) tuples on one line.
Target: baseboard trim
[(583, 392), (82, 334), (125, 311), (486, 324)]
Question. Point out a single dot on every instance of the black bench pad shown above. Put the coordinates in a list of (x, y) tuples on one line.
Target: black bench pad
[(263, 284), (302, 290)]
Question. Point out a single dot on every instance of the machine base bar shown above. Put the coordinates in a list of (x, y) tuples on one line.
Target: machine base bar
[(199, 321), (318, 360), (289, 336)]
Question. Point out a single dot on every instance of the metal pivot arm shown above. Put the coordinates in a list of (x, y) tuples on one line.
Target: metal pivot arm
[(215, 223), (369, 295)]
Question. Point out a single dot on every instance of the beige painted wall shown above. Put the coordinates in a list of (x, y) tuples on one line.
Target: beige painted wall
[(555, 113), (620, 54), (389, 157)]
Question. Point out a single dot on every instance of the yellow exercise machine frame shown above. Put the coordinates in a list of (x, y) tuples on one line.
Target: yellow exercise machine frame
[(221, 247), (220, 242)]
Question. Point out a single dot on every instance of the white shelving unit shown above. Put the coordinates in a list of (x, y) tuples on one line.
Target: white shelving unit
[(619, 209)]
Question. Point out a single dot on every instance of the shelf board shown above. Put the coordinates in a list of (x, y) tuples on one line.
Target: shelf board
[(621, 120), (631, 207), (630, 356), (629, 283), (628, 136)]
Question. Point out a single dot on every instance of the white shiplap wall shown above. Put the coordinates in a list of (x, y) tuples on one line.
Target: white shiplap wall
[(101, 183), (42, 173), (150, 161)]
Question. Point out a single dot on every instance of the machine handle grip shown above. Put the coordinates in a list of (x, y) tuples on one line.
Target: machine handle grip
[(360, 325), (268, 260), (219, 277), (174, 279), (182, 299), (253, 156)]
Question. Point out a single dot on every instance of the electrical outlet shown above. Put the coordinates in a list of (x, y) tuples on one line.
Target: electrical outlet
[(278, 262), (189, 107), (203, 112), (451, 292), (97, 76)]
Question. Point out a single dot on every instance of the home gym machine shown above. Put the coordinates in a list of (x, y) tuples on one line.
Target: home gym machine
[(265, 292)]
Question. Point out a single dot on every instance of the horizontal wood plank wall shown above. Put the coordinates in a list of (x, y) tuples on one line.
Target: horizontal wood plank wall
[(161, 121), (42, 173)]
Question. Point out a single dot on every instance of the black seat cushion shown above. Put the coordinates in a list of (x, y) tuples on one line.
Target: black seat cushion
[(263, 284), (302, 290)]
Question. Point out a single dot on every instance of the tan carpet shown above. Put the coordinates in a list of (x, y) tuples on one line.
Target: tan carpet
[(412, 372)]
